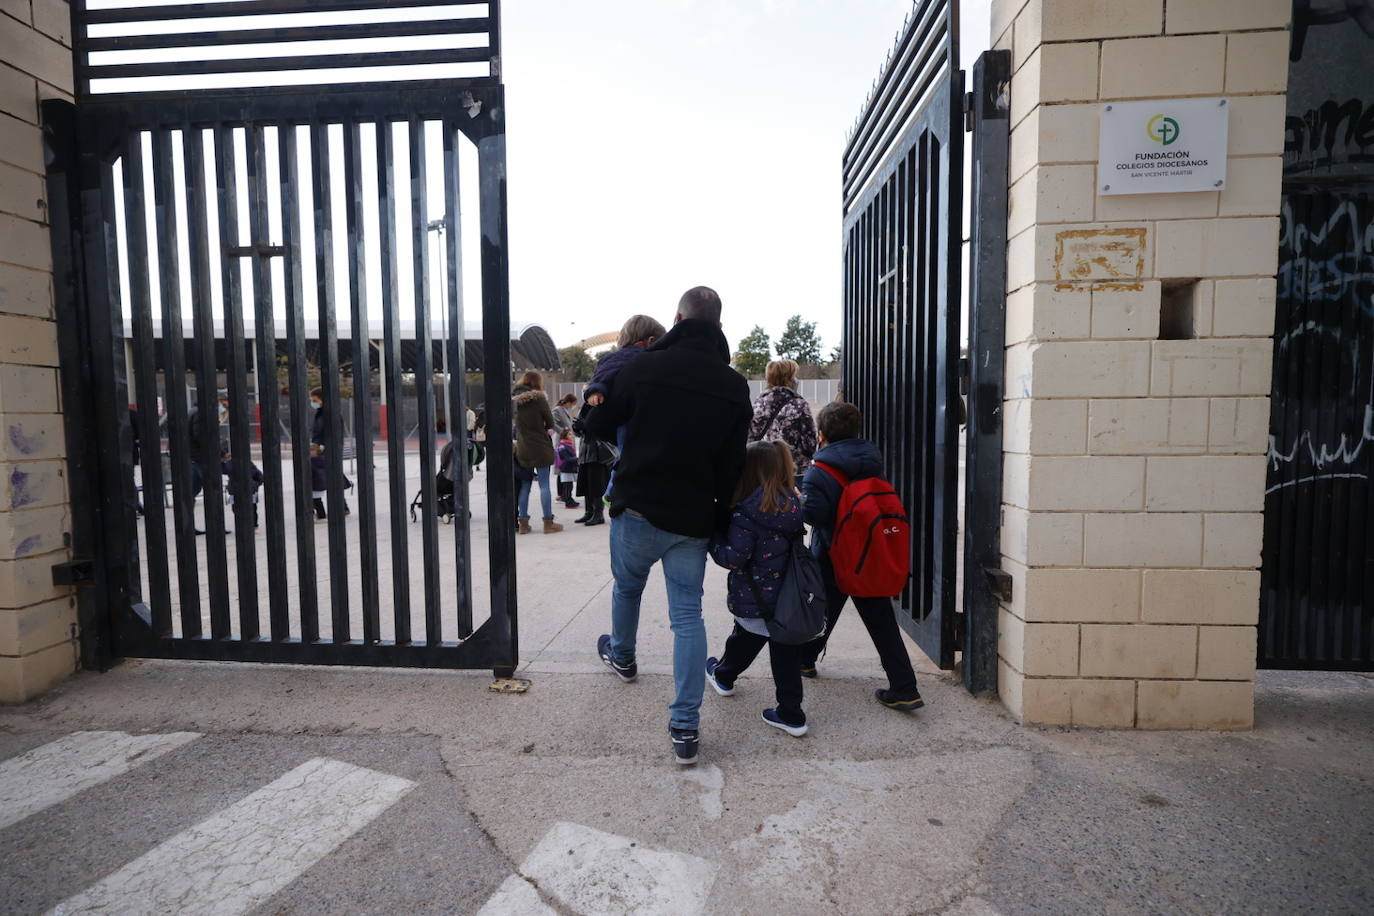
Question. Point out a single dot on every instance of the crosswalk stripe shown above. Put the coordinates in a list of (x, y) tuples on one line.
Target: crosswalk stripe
[(235, 859), (56, 771)]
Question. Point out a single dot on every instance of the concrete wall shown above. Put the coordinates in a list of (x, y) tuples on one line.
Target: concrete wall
[(1135, 469), (37, 620)]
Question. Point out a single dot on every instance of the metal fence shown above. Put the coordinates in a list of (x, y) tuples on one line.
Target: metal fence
[(234, 176), (903, 207)]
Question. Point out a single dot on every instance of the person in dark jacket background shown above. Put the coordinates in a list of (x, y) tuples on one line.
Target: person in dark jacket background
[(757, 550), (686, 413), (594, 462), (842, 449)]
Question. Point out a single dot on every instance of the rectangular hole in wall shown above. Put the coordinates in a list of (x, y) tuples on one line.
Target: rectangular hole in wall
[(1177, 305)]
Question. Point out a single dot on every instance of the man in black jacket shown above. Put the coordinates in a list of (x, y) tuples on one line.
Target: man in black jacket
[(686, 415)]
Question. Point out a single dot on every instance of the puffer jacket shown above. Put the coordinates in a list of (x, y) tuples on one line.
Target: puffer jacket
[(608, 365), (782, 414), (756, 546), (533, 420)]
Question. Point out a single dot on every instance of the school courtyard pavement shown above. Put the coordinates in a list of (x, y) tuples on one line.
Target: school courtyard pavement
[(165, 787)]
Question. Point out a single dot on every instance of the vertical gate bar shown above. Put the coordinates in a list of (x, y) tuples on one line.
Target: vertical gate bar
[(938, 311), (79, 190), (136, 225), (1284, 522), (174, 374), (986, 362), (322, 201), (355, 221), (1306, 356), (395, 441), (919, 371), (952, 234), (207, 379), (424, 377), (491, 152), (298, 383), (265, 374), (924, 470), (901, 335), (241, 481), (457, 357)]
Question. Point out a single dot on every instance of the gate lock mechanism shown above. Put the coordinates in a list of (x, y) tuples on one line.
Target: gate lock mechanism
[(78, 571)]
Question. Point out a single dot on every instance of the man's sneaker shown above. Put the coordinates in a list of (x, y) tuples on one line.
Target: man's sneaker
[(906, 702), (716, 685), (626, 673), (808, 670), (685, 744), (770, 715)]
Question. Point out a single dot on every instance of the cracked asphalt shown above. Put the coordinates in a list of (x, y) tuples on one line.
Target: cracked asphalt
[(955, 809)]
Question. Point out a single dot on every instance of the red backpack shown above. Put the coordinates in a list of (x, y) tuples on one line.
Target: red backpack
[(870, 547)]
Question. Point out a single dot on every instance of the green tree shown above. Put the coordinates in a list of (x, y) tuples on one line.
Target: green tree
[(800, 341), (836, 355), (576, 361), (755, 350)]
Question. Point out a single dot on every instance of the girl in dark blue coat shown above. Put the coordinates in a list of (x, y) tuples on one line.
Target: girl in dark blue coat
[(766, 518)]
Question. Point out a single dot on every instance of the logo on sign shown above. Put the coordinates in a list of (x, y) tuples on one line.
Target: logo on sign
[(1162, 130)]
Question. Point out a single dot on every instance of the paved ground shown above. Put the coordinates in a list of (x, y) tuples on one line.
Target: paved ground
[(225, 788)]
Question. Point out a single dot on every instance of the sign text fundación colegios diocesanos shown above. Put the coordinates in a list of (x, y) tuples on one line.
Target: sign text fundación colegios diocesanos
[(1162, 146)]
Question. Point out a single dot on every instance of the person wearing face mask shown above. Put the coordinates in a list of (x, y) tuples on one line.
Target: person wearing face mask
[(319, 428)]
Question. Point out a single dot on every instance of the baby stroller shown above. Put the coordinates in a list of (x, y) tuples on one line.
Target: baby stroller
[(443, 486)]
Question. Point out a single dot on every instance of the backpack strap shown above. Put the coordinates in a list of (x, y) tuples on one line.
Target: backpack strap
[(840, 478)]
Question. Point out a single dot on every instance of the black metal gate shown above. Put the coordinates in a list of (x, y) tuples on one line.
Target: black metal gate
[(903, 217), (1318, 571), (279, 184)]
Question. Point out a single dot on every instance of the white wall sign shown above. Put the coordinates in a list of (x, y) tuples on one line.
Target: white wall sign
[(1162, 146)]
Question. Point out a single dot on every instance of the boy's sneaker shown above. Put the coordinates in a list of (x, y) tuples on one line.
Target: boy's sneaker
[(808, 670), (770, 715), (716, 685), (906, 702), (685, 744), (626, 673)]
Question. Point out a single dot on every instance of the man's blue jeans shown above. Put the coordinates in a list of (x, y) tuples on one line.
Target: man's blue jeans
[(545, 497), (636, 546)]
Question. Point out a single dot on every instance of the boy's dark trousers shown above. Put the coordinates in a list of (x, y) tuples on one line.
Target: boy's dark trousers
[(740, 651), (878, 617)]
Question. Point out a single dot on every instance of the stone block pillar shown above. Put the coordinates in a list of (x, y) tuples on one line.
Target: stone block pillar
[(1138, 369), (37, 619)]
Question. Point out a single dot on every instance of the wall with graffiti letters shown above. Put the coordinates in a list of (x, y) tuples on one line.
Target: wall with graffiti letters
[(1317, 604), (1330, 123)]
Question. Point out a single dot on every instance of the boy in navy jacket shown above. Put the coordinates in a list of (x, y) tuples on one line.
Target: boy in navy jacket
[(841, 448)]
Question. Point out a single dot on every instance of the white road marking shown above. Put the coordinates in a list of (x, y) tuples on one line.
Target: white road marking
[(235, 859), (589, 871), (54, 772), (516, 897)]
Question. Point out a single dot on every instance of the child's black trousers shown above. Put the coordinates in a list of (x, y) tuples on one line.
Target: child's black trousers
[(740, 651)]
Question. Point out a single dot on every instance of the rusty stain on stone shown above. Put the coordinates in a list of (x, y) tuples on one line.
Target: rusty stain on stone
[(1100, 254), (1109, 286)]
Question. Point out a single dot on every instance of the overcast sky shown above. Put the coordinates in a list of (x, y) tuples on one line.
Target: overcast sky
[(658, 145), (653, 145)]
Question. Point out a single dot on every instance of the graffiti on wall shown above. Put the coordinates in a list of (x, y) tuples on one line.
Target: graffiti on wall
[(1323, 425), (1330, 123)]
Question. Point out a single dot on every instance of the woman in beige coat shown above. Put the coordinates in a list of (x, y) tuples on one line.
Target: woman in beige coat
[(534, 449)]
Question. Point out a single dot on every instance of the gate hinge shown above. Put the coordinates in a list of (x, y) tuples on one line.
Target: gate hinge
[(999, 583), (78, 571), (968, 112)]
